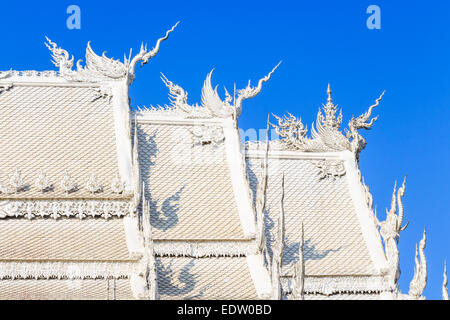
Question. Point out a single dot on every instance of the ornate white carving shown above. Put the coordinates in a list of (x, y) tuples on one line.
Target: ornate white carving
[(55, 209), (67, 184), (327, 135), (204, 249), (390, 231), (60, 57), (93, 184), (66, 270), (16, 181), (100, 68), (419, 281), (28, 74), (444, 284), (42, 182), (102, 93), (330, 168), (117, 185), (207, 134)]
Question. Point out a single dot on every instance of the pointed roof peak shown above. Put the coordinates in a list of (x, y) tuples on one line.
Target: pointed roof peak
[(329, 100)]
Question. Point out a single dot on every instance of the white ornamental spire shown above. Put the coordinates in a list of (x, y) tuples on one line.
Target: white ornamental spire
[(444, 284), (330, 110)]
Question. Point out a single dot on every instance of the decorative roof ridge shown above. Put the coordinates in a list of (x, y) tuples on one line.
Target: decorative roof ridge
[(329, 285), (66, 270), (59, 209), (29, 74), (205, 249)]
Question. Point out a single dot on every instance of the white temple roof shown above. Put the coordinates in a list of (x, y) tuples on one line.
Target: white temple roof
[(97, 202), (57, 128), (333, 238)]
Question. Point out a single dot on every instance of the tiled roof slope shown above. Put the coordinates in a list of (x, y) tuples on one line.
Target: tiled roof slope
[(333, 241), (205, 278), (63, 239), (53, 289), (57, 127), (188, 186)]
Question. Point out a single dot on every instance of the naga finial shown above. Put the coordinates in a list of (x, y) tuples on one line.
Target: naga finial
[(419, 281)]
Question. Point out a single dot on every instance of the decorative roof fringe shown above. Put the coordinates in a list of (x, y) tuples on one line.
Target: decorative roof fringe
[(205, 249), (56, 209), (66, 270)]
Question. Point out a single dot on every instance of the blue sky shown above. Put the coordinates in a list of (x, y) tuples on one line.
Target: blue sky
[(319, 42)]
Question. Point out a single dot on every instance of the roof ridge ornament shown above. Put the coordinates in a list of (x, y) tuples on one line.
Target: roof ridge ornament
[(326, 136), (212, 106), (99, 68)]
